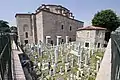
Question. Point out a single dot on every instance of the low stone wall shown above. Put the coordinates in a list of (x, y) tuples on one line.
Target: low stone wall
[(105, 66), (18, 73)]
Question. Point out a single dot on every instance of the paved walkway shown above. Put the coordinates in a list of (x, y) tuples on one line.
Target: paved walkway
[(17, 68), (105, 66)]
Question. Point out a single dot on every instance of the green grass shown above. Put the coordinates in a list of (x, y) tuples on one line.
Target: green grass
[(91, 78)]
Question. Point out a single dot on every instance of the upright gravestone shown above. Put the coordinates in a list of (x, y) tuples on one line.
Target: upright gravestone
[(89, 52), (71, 77), (80, 56), (39, 65), (43, 65), (41, 49), (66, 39), (52, 59), (50, 72), (54, 69), (92, 51), (66, 67), (62, 50), (32, 52), (62, 59), (38, 50), (86, 59), (66, 57), (72, 61), (78, 73), (79, 62), (74, 77), (97, 65), (56, 54), (60, 69)]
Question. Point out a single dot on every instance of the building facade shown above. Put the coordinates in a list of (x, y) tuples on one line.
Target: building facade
[(47, 24), (91, 36)]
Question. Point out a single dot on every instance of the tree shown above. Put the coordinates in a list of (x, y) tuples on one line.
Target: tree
[(4, 27), (13, 29), (106, 19), (15, 34)]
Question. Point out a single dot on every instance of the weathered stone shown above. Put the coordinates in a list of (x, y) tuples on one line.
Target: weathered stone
[(46, 23)]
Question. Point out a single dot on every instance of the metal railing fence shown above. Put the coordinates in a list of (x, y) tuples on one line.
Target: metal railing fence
[(5, 56)]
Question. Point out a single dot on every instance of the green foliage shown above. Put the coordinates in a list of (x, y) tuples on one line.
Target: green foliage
[(91, 78), (100, 54), (4, 27), (106, 19), (13, 29)]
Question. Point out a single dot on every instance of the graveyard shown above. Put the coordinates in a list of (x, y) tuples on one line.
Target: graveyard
[(69, 61)]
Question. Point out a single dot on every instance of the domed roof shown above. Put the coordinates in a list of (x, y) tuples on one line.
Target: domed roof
[(51, 5)]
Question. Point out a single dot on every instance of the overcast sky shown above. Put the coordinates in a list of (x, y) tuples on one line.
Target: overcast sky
[(83, 10)]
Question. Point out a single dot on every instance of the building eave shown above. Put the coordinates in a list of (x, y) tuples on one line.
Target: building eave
[(23, 14), (91, 28), (58, 14)]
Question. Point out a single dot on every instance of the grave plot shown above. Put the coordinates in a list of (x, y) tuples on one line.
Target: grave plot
[(69, 61)]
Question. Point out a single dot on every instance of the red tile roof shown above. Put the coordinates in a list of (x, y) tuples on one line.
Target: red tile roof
[(91, 28)]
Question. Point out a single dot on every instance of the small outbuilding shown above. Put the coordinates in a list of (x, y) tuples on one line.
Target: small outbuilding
[(91, 36)]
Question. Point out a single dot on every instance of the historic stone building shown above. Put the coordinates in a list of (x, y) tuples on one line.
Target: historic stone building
[(91, 36), (47, 24)]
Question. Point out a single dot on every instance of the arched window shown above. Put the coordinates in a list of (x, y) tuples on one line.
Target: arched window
[(62, 40), (25, 27), (70, 39), (62, 27), (26, 34), (70, 28), (98, 45), (51, 42), (86, 44), (26, 41)]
